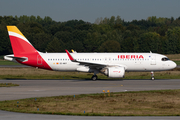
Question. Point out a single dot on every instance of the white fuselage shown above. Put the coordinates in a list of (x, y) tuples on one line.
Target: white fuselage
[(130, 61)]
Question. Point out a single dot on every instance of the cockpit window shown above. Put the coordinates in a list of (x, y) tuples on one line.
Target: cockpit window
[(165, 59)]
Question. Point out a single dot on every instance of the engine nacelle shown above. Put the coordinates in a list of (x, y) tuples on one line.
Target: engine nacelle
[(115, 72)]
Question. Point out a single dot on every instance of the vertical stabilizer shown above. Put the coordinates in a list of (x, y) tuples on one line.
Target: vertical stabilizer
[(20, 44)]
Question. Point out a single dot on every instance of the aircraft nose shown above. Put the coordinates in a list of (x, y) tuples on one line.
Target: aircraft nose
[(173, 65)]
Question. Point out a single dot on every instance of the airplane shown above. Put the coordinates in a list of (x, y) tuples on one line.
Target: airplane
[(113, 65)]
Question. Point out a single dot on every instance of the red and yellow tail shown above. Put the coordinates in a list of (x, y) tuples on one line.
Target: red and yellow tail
[(20, 44), (23, 50)]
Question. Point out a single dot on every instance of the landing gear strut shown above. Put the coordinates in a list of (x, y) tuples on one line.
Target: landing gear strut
[(152, 75), (94, 77)]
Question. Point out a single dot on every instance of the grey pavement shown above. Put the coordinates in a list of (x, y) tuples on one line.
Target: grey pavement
[(43, 88), (23, 116)]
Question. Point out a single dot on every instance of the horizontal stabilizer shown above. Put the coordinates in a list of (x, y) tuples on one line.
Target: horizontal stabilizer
[(12, 58)]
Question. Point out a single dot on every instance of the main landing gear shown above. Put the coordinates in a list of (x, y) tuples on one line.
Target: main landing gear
[(94, 77), (152, 75)]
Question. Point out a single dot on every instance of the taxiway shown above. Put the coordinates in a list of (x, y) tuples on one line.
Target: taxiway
[(43, 88)]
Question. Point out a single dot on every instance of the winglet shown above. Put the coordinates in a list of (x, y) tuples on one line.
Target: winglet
[(73, 51), (69, 55)]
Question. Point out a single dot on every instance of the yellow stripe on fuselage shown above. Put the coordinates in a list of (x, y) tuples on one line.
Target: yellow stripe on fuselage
[(14, 29)]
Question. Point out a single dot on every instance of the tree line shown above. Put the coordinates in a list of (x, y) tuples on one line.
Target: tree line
[(159, 35)]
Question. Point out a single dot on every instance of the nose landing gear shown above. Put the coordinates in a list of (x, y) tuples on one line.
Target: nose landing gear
[(152, 75)]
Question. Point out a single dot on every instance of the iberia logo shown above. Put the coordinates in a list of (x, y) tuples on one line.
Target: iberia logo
[(117, 71), (130, 56)]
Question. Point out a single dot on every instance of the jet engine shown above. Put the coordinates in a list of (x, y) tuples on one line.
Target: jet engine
[(114, 72)]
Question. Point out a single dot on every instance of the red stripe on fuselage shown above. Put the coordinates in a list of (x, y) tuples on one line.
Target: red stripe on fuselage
[(33, 61)]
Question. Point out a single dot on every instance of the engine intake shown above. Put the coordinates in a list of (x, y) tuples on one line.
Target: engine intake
[(114, 72)]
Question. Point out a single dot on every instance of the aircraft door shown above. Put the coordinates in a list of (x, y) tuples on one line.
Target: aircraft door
[(39, 60), (153, 60)]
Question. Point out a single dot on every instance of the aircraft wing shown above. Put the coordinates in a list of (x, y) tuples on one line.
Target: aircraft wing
[(93, 64), (90, 64)]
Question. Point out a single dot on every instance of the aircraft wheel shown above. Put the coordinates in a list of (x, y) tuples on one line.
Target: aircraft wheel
[(152, 75), (152, 78), (94, 77)]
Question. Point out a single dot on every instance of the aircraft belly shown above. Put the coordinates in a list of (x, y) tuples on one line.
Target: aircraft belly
[(64, 67)]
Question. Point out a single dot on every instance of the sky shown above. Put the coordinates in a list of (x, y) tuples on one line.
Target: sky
[(90, 10)]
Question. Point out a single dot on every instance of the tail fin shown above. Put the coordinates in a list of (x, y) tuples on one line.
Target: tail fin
[(20, 44)]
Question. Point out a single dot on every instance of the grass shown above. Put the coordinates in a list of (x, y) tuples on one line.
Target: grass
[(177, 62), (8, 85), (174, 56), (141, 103), (32, 73), (1, 57), (4, 62)]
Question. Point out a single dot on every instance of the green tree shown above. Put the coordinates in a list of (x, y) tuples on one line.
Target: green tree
[(55, 46), (110, 46), (4, 42), (32, 18), (78, 46), (118, 20), (65, 36), (112, 20), (149, 42), (93, 41), (173, 36), (40, 41), (127, 45)]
